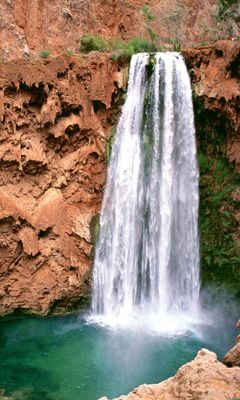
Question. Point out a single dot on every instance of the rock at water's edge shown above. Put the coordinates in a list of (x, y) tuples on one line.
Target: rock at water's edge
[(232, 358), (204, 378)]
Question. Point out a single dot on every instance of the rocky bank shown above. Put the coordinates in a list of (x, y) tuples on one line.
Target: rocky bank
[(232, 358), (204, 378)]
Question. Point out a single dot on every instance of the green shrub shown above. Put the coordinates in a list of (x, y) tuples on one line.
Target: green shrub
[(139, 45), (116, 44), (92, 42), (220, 256), (205, 163), (149, 16), (70, 52), (151, 65), (225, 8), (122, 54), (177, 46), (119, 49), (44, 53), (147, 12), (110, 142)]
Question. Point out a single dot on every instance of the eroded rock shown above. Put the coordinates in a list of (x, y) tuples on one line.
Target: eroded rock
[(52, 175), (216, 82), (29, 240)]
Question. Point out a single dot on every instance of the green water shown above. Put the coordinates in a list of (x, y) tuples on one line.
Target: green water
[(62, 358)]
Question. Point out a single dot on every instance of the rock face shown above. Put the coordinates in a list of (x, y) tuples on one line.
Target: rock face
[(29, 26), (215, 74), (232, 358), (216, 88), (204, 378), (54, 122)]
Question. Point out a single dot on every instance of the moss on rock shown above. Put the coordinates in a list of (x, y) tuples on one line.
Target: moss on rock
[(220, 255)]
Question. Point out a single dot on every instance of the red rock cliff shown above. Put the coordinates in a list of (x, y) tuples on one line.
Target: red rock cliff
[(28, 26), (55, 117)]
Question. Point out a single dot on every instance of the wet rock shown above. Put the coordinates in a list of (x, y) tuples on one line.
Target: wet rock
[(232, 358)]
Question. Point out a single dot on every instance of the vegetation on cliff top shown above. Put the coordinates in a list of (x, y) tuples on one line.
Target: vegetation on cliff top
[(44, 53), (119, 48)]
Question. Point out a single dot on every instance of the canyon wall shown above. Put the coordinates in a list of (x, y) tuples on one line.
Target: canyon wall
[(27, 27), (55, 120), (215, 74)]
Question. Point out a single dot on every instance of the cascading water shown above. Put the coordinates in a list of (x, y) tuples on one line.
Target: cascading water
[(147, 257)]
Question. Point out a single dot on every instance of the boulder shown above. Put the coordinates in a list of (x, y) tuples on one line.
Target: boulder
[(232, 358)]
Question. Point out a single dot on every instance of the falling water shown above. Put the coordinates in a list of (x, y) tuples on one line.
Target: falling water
[(147, 257)]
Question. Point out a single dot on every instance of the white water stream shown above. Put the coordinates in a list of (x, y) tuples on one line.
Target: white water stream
[(146, 268)]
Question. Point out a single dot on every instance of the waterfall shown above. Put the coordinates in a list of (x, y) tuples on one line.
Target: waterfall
[(147, 256)]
